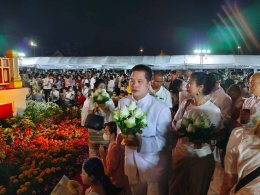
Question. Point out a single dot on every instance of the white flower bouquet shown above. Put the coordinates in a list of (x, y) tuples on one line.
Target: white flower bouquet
[(100, 96), (130, 119), (197, 127)]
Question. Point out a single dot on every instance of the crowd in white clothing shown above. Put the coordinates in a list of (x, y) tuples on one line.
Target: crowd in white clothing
[(159, 155)]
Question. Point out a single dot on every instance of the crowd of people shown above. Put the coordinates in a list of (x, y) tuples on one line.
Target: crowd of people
[(161, 160)]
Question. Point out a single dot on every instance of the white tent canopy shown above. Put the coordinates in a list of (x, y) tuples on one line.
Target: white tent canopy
[(156, 62)]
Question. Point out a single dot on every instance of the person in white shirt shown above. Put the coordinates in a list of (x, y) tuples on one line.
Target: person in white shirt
[(158, 90), (193, 167), (85, 90), (105, 110), (92, 81), (55, 94), (85, 81), (47, 84), (111, 85), (147, 160), (69, 97)]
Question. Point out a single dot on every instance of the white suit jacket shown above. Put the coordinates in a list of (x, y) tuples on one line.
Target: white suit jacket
[(149, 163)]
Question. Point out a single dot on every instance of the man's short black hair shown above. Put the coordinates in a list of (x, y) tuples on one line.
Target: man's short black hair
[(158, 73), (173, 72), (215, 76), (144, 68)]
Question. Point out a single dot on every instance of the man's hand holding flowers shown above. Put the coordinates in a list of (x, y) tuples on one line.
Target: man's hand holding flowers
[(130, 120)]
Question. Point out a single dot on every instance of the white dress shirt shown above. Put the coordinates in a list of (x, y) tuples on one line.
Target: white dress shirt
[(85, 92), (92, 82), (47, 83), (55, 96), (111, 86), (149, 163), (163, 95)]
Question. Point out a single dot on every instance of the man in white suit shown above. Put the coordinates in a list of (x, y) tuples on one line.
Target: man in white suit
[(147, 161)]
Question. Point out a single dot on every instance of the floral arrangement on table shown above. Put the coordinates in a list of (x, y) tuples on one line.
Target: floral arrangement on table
[(100, 96), (39, 111), (197, 127), (130, 119)]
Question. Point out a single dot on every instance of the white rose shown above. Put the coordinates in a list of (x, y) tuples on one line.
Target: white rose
[(185, 122), (198, 121), (144, 121), (106, 94), (95, 94), (207, 122), (132, 106), (190, 128), (99, 98), (124, 112), (115, 117), (116, 114), (130, 123), (138, 113), (192, 116)]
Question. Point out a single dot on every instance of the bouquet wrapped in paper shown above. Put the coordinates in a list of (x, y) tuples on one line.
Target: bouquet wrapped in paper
[(130, 119), (67, 187), (198, 128), (100, 96)]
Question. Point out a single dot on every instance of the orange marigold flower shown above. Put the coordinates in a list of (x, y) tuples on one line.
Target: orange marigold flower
[(24, 189), (15, 181), (12, 178), (47, 170), (35, 172), (27, 183), (19, 191), (21, 176), (58, 168), (3, 190), (40, 180)]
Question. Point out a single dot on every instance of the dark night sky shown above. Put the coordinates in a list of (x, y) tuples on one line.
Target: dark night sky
[(118, 27)]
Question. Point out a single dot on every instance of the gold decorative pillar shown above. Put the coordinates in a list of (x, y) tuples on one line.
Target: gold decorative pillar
[(16, 81)]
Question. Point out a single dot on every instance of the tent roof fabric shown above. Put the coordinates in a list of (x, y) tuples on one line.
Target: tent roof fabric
[(156, 62)]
